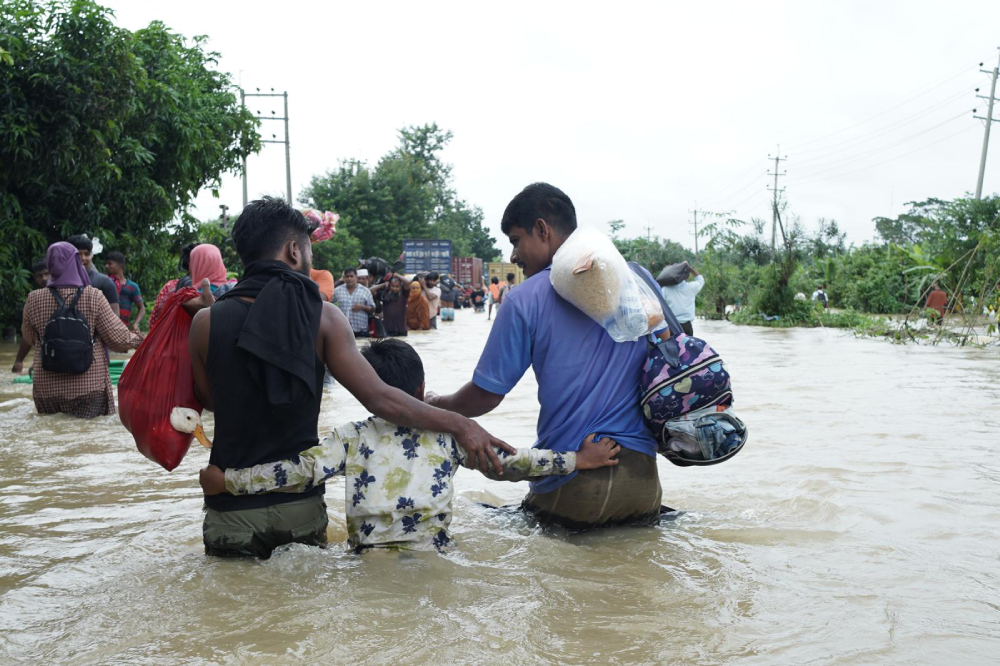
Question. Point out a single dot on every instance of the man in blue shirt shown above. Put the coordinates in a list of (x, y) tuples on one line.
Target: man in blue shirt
[(587, 383)]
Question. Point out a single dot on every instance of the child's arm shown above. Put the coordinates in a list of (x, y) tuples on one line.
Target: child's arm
[(530, 463), (313, 467)]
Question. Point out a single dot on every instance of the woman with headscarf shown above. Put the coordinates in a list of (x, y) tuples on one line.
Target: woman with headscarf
[(206, 263), (418, 311), (392, 295), (88, 394), (173, 285)]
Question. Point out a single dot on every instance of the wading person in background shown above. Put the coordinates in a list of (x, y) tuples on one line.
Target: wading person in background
[(40, 273), (206, 264), (587, 383), (681, 297), (129, 296), (937, 300), (82, 393), (323, 280), (173, 285), (102, 282), (433, 295), (355, 301), (393, 295), (258, 357), (418, 317), (820, 295), (447, 300), (494, 295)]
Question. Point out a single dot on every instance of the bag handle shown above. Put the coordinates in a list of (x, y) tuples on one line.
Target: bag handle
[(670, 348)]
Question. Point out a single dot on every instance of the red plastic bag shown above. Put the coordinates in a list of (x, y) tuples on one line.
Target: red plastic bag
[(156, 380)]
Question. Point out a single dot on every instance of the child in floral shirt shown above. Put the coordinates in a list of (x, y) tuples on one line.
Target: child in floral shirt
[(399, 480)]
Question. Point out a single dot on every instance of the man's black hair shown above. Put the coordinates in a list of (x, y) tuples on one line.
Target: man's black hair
[(81, 242), (39, 265), (116, 257), (264, 226), (510, 277), (540, 200), (433, 275), (186, 256), (495, 280), (396, 363), (350, 269)]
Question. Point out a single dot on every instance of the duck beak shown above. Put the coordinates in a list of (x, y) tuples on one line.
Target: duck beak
[(199, 434)]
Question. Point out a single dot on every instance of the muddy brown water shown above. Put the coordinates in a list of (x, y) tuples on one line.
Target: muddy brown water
[(860, 525)]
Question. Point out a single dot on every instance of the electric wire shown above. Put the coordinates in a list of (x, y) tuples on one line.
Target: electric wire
[(882, 131), (838, 164), (891, 159), (909, 99)]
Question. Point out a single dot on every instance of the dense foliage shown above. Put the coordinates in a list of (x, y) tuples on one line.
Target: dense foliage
[(408, 194), (106, 132), (956, 243)]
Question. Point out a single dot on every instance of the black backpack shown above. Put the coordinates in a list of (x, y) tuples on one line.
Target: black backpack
[(67, 345)]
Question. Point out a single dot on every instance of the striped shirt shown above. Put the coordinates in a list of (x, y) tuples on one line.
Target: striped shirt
[(346, 301)]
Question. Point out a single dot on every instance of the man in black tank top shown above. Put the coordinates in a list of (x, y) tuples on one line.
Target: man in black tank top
[(258, 357)]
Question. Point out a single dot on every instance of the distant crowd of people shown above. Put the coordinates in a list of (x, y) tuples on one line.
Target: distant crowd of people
[(392, 304)]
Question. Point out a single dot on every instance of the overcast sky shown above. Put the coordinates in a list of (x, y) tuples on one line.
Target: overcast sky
[(636, 110)]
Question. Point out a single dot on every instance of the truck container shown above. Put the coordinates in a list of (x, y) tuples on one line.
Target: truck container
[(426, 255), (499, 270), (467, 270)]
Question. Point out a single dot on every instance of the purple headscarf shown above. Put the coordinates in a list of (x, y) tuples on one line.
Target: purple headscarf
[(65, 267)]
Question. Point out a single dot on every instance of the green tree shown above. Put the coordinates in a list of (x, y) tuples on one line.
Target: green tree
[(407, 195), (107, 132)]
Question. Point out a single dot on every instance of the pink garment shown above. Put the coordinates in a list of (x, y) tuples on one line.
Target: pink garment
[(206, 262)]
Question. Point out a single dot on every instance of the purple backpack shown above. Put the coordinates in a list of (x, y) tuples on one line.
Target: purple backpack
[(679, 375)]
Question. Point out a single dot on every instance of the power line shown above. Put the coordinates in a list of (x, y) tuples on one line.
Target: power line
[(838, 164), (909, 99), (891, 159), (738, 180), (874, 134)]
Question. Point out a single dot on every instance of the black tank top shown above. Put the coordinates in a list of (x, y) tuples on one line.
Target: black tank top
[(246, 432)]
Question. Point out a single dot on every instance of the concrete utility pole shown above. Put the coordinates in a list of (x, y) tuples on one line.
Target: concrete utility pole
[(695, 212), (774, 203), (989, 120), (274, 139)]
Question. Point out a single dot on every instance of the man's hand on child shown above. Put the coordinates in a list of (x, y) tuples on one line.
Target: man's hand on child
[(597, 454), (213, 480)]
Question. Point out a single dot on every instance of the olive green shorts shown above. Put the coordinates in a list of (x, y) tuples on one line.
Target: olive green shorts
[(257, 532), (627, 494)]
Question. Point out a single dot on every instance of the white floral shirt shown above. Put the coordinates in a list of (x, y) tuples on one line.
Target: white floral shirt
[(399, 480)]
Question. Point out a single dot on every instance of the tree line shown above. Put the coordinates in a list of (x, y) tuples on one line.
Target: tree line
[(113, 133)]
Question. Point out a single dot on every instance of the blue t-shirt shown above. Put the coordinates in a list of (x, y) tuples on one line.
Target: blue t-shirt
[(587, 382)]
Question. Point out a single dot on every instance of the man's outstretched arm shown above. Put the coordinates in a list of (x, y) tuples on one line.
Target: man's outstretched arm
[(348, 367), (470, 401)]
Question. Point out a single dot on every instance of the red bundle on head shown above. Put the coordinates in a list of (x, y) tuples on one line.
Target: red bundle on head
[(158, 379)]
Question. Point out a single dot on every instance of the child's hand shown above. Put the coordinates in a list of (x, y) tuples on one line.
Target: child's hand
[(597, 454), (213, 480)]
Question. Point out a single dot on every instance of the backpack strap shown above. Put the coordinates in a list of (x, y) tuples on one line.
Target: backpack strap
[(669, 348), (76, 299), (60, 303)]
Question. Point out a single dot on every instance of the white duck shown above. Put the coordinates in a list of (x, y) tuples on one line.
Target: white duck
[(184, 419)]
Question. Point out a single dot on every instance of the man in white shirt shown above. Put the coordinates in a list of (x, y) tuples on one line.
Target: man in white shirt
[(820, 295), (680, 297), (433, 293)]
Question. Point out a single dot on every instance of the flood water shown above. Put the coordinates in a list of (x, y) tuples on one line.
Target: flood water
[(860, 525)]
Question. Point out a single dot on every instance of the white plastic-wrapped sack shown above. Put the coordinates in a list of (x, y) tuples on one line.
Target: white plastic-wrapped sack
[(589, 272)]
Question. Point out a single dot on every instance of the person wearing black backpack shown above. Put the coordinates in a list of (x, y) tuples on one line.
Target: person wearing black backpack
[(65, 324)]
